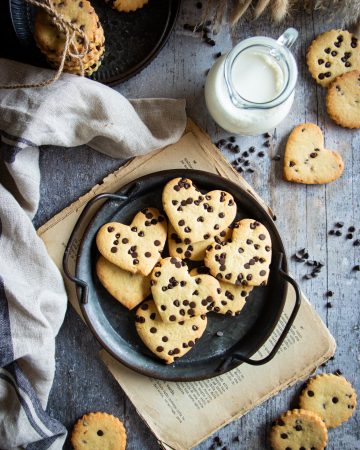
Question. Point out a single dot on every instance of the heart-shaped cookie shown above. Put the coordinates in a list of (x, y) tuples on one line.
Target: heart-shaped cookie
[(137, 247), (245, 259), (194, 216), (306, 159), (168, 341), (231, 299), (194, 251), (128, 288), (179, 296)]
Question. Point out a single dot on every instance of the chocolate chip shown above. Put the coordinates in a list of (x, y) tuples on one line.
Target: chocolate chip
[(320, 61), (113, 249), (298, 428), (321, 76), (135, 261), (284, 436), (310, 393), (262, 273), (125, 240), (347, 64), (153, 330), (334, 53), (159, 349), (313, 155), (110, 229), (327, 50), (291, 164), (141, 234), (172, 318)]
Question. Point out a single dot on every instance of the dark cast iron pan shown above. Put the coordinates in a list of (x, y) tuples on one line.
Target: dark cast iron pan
[(132, 40), (114, 326)]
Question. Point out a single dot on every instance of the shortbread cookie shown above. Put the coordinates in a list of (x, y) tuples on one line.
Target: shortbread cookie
[(194, 216), (130, 289), (306, 159), (343, 100), (128, 5), (231, 299), (298, 430), (137, 247), (331, 397), (98, 431), (179, 296), (331, 54), (168, 341), (196, 251), (246, 259)]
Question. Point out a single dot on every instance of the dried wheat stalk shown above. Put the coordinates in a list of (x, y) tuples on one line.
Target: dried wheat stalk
[(347, 10)]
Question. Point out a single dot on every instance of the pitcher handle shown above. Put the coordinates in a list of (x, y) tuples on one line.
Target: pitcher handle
[(288, 38)]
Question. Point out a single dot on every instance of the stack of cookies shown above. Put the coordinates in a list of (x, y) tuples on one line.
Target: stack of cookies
[(235, 257), (51, 41)]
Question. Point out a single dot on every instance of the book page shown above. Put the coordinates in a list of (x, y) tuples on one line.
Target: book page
[(183, 414)]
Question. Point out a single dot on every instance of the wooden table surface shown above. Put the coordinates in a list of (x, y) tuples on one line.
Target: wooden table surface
[(305, 216)]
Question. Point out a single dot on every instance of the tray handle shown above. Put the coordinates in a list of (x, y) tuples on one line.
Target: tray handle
[(238, 357), (82, 284)]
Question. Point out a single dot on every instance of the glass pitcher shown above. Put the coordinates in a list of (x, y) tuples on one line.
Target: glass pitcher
[(251, 89)]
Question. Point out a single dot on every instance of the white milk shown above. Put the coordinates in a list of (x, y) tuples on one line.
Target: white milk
[(260, 88), (257, 77)]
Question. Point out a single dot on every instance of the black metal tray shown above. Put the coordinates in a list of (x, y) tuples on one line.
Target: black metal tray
[(114, 326), (132, 40)]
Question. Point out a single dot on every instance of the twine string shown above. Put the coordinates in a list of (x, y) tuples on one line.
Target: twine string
[(71, 31)]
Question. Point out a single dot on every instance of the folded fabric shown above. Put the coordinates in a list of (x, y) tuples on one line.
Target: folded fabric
[(68, 113)]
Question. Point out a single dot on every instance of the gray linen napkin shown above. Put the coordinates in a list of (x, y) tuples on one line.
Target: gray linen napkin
[(70, 112)]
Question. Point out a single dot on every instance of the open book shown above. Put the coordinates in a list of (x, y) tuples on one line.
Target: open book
[(182, 414)]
